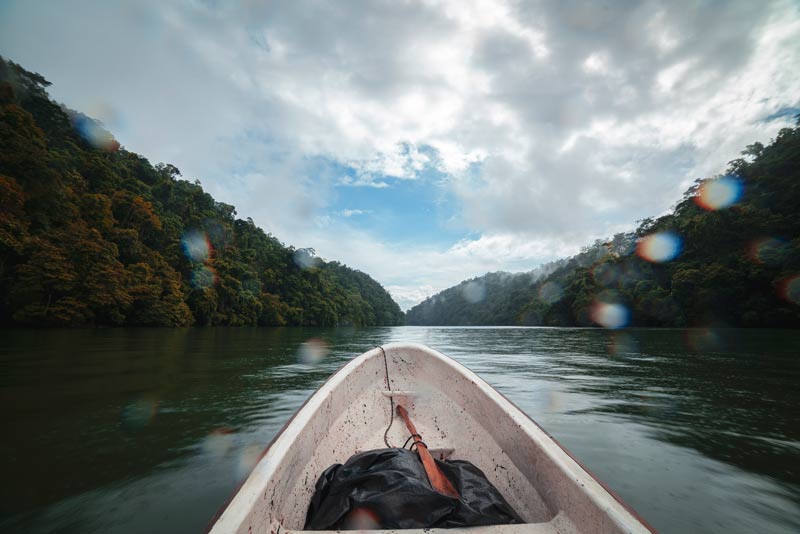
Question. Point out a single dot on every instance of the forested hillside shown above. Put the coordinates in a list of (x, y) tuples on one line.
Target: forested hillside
[(728, 254), (491, 299), (92, 234)]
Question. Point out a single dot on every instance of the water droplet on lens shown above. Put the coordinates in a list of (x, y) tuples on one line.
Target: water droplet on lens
[(312, 351), (768, 250), (659, 247), (719, 193), (609, 315), (196, 245), (204, 277), (474, 291), (791, 289)]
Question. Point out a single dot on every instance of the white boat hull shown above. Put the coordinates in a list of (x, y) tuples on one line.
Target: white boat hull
[(459, 416)]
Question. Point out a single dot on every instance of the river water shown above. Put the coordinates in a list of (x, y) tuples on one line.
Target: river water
[(149, 430)]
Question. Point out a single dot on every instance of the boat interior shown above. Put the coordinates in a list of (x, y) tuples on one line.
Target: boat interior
[(459, 417)]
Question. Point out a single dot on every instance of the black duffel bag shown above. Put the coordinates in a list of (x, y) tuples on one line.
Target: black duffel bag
[(388, 488)]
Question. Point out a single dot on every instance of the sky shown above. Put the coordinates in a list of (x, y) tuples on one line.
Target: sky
[(426, 142)]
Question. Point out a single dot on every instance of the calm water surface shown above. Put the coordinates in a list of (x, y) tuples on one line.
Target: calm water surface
[(150, 430)]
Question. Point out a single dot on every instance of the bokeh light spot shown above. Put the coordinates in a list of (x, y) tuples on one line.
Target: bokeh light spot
[(474, 291), (719, 193), (312, 351), (768, 250), (550, 292), (196, 245), (791, 289), (659, 247), (204, 277), (609, 315)]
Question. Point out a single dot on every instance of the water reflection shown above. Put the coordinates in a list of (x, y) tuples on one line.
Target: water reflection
[(137, 430)]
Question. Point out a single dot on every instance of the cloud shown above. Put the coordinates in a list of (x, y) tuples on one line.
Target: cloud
[(363, 181), (550, 123), (350, 213), (413, 271), (509, 248), (613, 123)]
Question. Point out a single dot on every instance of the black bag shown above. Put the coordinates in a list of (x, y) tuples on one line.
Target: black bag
[(388, 488)]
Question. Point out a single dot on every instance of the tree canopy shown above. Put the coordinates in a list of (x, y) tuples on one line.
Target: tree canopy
[(92, 234)]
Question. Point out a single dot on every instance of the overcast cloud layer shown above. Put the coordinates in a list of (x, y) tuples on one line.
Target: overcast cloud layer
[(426, 142)]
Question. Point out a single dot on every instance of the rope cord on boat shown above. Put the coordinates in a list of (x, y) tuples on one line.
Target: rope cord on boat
[(412, 436), (418, 443), (391, 399)]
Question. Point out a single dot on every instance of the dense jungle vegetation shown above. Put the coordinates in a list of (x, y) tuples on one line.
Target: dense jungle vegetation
[(734, 265), (92, 234)]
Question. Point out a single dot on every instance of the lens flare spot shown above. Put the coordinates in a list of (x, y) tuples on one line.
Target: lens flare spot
[(361, 519), (474, 291), (719, 193), (550, 292), (312, 351), (196, 245), (609, 315), (790, 289), (659, 247), (768, 250), (204, 277)]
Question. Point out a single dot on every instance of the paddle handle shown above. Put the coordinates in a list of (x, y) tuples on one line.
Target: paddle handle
[(437, 479)]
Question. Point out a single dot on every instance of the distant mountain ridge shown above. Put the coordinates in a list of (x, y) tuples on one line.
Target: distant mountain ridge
[(91, 234), (496, 298), (727, 255)]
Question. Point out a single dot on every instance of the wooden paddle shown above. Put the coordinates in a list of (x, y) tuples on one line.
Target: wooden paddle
[(437, 479)]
